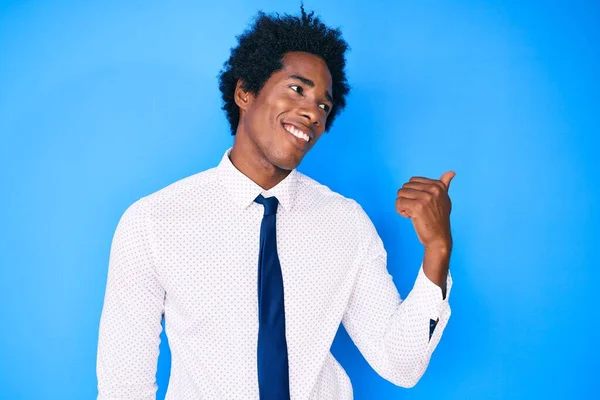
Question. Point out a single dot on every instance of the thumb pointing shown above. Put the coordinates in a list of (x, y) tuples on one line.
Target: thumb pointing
[(447, 177)]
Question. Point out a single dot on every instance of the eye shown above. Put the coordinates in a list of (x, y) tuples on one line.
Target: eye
[(325, 107), (298, 89)]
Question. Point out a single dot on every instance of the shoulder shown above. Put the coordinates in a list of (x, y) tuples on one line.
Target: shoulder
[(174, 197), (345, 215), (204, 180), (328, 201)]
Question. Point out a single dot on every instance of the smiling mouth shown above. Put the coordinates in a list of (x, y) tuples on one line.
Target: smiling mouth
[(296, 132)]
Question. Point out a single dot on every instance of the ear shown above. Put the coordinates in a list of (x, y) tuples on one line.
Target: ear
[(242, 98)]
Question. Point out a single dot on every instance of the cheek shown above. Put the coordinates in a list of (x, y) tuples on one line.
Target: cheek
[(260, 117), (323, 122), (281, 104), (265, 119), (277, 108)]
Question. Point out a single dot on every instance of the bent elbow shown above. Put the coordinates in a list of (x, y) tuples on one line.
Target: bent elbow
[(407, 381), (407, 376)]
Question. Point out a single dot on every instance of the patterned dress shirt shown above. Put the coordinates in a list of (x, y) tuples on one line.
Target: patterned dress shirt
[(189, 253)]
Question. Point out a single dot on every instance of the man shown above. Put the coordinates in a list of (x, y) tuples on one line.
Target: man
[(254, 265)]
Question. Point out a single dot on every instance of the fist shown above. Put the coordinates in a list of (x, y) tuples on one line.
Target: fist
[(426, 202)]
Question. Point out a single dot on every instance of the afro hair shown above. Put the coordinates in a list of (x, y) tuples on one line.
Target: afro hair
[(260, 52)]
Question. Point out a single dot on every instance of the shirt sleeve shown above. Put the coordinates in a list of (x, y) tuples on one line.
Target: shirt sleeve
[(397, 337), (130, 324)]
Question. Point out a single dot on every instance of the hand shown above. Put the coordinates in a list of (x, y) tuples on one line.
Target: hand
[(426, 202)]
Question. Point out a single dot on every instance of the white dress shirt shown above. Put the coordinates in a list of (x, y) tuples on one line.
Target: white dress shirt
[(190, 252)]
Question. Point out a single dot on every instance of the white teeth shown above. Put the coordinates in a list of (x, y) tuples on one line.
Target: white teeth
[(291, 129)]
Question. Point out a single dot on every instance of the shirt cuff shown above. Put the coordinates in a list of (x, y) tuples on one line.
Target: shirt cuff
[(430, 294)]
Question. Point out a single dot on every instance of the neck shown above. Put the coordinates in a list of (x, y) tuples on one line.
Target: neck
[(251, 161)]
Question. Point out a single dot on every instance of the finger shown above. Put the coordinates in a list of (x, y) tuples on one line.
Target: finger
[(408, 206), (421, 179), (425, 187), (447, 177), (436, 182), (410, 193)]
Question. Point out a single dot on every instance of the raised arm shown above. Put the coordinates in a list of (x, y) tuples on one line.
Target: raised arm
[(130, 325), (397, 337)]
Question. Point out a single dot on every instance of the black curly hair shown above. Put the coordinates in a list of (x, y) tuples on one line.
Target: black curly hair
[(260, 52)]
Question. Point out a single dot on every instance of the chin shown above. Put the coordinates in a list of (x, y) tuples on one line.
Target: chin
[(282, 154), (286, 164), (286, 161)]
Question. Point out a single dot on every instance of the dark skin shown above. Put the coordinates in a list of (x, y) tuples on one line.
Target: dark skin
[(300, 95), (263, 150)]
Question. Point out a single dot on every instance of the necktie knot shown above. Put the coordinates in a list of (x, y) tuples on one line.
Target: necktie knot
[(270, 204)]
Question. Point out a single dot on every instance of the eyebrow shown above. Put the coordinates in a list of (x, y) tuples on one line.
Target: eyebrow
[(310, 83)]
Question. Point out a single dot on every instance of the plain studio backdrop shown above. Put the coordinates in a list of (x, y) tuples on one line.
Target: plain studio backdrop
[(102, 103)]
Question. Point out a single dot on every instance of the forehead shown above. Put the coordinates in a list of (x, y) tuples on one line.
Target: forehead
[(308, 66)]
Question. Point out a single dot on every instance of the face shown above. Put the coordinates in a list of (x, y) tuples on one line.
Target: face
[(288, 116)]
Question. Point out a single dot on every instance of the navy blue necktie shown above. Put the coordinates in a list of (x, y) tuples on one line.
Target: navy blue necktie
[(272, 356)]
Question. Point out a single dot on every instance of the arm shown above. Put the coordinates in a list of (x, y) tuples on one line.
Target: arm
[(130, 325), (436, 263), (393, 334)]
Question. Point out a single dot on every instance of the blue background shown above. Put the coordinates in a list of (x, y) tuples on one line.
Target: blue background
[(104, 102)]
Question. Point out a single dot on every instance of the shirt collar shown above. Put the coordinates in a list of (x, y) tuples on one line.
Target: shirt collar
[(244, 190)]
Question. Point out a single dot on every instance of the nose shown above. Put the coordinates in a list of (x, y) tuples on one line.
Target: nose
[(311, 114)]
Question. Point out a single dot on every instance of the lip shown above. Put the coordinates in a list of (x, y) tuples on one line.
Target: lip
[(301, 127), (300, 143)]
